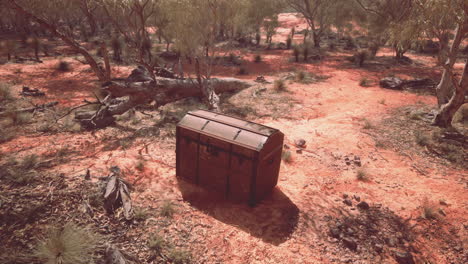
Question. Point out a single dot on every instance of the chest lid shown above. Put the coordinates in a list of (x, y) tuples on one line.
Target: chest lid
[(227, 128)]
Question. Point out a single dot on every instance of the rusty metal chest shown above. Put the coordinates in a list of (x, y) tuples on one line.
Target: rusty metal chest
[(238, 158)]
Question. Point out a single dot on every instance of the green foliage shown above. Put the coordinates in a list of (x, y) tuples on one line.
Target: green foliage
[(69, 244)]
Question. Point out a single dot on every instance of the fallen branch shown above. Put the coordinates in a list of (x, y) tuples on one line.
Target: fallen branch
[(33, 109)]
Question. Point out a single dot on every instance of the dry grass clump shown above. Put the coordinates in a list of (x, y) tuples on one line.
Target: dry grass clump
[(64, 66), (156, 243), (367, 124), (69, 244), (429, 210), (362, 175), (179, 256), (5, 92), (167, 209), (279, 85), (286, 156), (422, 139)]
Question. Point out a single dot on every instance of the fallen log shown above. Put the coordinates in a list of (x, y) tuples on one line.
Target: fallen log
[(33, 109), (126, 94)]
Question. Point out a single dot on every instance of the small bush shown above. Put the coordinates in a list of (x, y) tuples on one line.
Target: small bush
[(30, 162), (242, 71), (20, 118), (68, 245), (258, 58), (360, 57), (364, 82), (96, 198), (156, 243), (167, 209), (64, 66), (140, 166), (422, 139), (367, 124), (429, 210), (279, 85), (178, 256), (5, 92), (382, 101), (301, 76), (140, 214), (362, 175), (296, 53), (305, 52), (288, 43), (6, 135), (286, 156)]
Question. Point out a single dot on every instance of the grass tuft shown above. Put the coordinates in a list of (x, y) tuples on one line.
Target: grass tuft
[(178, 256), (429, 210), (64, 66), (156, 243), (279, 85), (258, 58), (167, 209), (422, 139), (362, 175), (5, 92), (364, 82), (286, 156), (70, 244), (367, 124)]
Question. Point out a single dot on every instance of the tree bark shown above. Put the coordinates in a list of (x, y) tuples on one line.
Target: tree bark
[(445, 115), (163, 91), (445, 88)]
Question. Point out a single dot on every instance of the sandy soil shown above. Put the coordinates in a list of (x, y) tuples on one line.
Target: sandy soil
[(293, 225)]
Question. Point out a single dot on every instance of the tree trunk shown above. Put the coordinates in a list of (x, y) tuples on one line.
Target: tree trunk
[(445, 115), (445, 88), (317, 40), (70, 42)]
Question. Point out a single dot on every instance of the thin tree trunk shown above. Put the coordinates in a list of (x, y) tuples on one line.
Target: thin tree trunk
[(445, 116), (445, 88), (70, 42)]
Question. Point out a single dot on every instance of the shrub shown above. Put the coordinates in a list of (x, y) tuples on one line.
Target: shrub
[(296, 53), (429, 210), (20, 118), (167, 209), (156, 243), (242, 71), (29, 162), (301, 76), (6, 135), (64, 66), (367, 124), (140, 166), (279, 85), (362, 175), (178, 256), (305, 52), (364, 82), (258, 58), (360, 57), (140, 214), (421, 138), (286, 156), (382, 101), (5, 92), (68, 245), (288, 43)]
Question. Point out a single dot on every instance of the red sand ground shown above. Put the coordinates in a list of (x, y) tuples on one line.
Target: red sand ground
[(328, 115)]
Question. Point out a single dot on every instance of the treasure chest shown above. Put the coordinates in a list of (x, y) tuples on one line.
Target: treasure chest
[(235, 157)]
